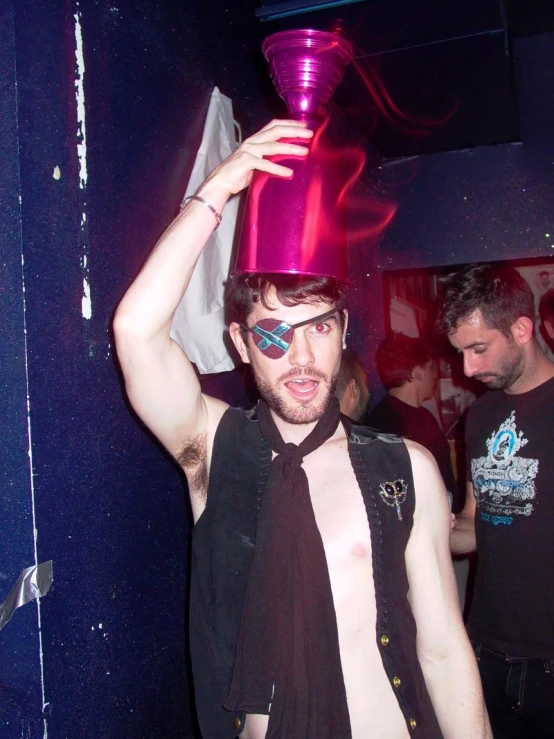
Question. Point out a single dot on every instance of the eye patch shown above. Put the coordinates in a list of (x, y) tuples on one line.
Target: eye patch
[(274, 337)]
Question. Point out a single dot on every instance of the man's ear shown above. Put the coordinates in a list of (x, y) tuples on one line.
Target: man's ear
[(522, 330), (354, 389), (239, 342), (345, 313), (549, 328), (417, 374)]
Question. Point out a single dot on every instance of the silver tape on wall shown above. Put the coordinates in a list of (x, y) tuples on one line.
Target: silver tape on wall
[(32, 583)]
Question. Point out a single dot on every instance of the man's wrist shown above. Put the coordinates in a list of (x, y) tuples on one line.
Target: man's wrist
[(215, 192), (206, 203)]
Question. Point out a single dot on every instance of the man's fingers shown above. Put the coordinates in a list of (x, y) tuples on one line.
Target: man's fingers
[(275, 148), (265, 165), (283, 122), (235, 173), (281, 130), (253, 162)]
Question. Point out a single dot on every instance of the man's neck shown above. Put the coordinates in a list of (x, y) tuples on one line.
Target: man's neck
[(407, 393), (295, 433), (538, 370)]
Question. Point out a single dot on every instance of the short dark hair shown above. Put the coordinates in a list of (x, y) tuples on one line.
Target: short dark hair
[(243, 290), (351, 366), (497, 290), (398, 355), (546, 307)]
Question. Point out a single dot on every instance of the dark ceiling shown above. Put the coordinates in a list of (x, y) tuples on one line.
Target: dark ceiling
[(428, 75)]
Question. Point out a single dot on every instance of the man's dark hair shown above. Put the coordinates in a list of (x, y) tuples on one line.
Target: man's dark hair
[(398, 355), (546, 307), (350, 367), (242, 291), (497, 290)]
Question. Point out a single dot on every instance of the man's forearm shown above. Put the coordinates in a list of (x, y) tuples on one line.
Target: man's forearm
[(146, 311), (455, 689), (462, 536)]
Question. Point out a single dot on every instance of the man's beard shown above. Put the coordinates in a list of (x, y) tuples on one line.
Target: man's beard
[(509, 372), (300, 412)]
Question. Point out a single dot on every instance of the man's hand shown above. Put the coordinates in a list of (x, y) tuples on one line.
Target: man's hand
[(235, 172), (462, 533)]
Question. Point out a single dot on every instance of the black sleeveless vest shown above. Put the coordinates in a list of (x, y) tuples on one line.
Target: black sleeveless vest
[(223, 543)]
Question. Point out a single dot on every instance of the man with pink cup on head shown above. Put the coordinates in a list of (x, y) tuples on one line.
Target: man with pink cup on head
[(323, 603)]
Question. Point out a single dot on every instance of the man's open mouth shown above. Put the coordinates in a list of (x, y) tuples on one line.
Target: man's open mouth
[(302, 387)]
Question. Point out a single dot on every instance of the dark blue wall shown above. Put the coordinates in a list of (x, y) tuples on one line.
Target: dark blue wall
[(111, 509), (20, 682)]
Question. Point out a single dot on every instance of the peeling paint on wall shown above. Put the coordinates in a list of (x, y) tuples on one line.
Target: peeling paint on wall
[(86, 304), (80, 95), (86, 301)]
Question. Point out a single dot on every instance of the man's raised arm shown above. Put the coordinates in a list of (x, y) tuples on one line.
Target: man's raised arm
[(160, 381)]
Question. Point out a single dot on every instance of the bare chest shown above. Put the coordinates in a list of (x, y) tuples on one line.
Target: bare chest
[(338, 505)]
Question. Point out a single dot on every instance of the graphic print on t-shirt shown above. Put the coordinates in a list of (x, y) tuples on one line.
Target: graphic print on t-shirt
[(504, 483)]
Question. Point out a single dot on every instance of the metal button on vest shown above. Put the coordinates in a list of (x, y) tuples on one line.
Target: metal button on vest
[(396, 682), (236, 723), (413, 723), (384, 640)]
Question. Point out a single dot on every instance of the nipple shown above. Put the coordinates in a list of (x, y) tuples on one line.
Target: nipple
[(359, 550)]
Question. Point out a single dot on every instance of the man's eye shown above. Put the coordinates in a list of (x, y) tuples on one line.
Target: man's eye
[(321, 328), (482, 350)]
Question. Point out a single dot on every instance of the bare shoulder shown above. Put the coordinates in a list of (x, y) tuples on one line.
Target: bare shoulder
[(431, 525), (421, 459), (429, 487)]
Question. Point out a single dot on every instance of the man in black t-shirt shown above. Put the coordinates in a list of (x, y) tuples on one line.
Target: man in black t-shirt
[(488, 313), (408, 372)]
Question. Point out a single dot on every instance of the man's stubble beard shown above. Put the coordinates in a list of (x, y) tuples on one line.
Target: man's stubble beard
[(509, 372), (301, 412)]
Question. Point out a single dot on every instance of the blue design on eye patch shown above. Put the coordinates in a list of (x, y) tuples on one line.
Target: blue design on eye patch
[(270, 338)]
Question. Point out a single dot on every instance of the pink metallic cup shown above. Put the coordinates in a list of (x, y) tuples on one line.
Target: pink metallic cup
[(298, 225)]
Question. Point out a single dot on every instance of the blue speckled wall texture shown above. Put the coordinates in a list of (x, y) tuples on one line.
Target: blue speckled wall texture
[(101, 110), (20, 683)]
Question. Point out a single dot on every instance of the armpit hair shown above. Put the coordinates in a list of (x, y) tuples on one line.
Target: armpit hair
[(193, 459)]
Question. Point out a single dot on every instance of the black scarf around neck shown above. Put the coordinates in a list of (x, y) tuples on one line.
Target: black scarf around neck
[(287, 661)]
